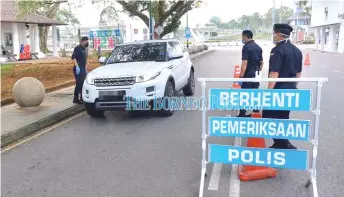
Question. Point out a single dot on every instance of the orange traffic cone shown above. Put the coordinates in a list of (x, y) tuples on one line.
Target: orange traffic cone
[(236, 75), (307, 60), (252, 173)]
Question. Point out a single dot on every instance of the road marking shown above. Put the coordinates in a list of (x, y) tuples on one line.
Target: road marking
[(46, 130), (337, 71), (323, 66), (234, 183), (215, 177)]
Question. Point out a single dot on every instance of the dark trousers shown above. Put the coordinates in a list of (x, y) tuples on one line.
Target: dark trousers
[(275, 114), (248, 85), (79, 81)]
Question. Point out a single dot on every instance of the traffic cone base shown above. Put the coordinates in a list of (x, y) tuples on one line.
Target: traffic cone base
[(251, 173)]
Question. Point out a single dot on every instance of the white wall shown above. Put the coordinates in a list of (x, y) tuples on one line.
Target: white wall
[(318, 15), (135, 24), (7, 28)]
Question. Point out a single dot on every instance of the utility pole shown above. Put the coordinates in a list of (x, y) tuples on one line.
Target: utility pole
[(273, 15), (150, 21), (187, 26)]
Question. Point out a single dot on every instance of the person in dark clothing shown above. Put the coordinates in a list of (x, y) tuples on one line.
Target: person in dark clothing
[(285, 62), (79, 58), (252, 61)]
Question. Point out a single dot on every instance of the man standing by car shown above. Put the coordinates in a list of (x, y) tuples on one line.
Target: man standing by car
[(79, 58), (252, 61)]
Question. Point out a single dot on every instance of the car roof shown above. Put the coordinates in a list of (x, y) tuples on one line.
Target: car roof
[(149, 41)]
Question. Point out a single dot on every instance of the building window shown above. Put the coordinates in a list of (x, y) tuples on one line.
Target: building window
[(8, 39), (145, 30), (136, 31)]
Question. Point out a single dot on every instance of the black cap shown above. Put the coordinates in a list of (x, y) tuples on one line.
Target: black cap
[(283, 29), (84, 38), (247, 33)]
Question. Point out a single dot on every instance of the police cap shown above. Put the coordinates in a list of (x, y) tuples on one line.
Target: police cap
[(283, 29), (84, 38)]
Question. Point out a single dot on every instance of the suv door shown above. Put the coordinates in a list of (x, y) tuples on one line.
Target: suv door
[(185, 63), (176, 64)]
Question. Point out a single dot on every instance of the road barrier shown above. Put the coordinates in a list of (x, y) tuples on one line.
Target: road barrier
[(253, 128)]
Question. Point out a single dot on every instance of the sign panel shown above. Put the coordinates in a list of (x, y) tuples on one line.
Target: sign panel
[(258, 99), (259, 128), (275, 158), (187, 33)]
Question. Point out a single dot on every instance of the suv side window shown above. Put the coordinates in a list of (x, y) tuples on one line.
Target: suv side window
[(171, 47), (178, 47)]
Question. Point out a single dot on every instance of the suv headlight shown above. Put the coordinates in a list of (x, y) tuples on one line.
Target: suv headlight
[(89, 80), (144, 78)]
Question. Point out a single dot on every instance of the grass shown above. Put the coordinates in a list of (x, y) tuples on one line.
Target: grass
[(6, 68), (238, 37)]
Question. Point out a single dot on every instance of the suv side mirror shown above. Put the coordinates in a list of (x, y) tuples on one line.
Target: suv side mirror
[(102, 60), (175, 55)]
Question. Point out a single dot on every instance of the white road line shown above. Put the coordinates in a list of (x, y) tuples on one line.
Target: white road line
[(215, 177), (234, 183), (323, 66), (46, 130), (337, 71)]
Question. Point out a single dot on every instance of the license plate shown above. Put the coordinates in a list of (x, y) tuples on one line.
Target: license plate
[(112, 93)]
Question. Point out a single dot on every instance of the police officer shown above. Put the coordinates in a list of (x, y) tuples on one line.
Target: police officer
[(285, 62), (252, 61), (79, 58)]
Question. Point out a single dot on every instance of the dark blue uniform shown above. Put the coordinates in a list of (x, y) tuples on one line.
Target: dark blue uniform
[(285, 59), (251, 52), (80, 55)]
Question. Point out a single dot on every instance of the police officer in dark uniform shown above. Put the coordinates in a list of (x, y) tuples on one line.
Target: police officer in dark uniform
[(252, 61), (79, 58), (285, 62)]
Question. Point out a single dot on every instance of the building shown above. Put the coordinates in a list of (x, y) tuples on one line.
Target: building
[(24, 30), (328, 21), (300, 22)]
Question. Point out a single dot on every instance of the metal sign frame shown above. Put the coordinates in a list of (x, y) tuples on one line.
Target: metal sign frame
[(314, 138)]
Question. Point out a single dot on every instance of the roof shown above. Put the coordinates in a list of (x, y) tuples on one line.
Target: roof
[(298, 16), (9, 13)]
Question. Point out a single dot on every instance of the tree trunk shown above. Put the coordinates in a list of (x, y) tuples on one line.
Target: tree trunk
[(43, 34)]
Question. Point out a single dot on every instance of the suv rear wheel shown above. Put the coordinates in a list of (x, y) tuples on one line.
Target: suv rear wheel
[(169, 93), (189, 89), (92, 111)]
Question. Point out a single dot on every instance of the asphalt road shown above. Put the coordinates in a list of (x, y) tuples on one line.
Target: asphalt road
[(120, 156)]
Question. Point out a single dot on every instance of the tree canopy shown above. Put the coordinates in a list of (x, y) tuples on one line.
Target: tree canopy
[(166, 13), (50, 9), (255, 21)]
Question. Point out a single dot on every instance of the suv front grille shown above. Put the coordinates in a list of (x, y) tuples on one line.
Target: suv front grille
[(123, 81)]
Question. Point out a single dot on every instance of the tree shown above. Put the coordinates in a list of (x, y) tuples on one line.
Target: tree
[(283, 13), (109, 16), (166, 13), (233, 24), (215, 20), (50, 9), (305, 5)]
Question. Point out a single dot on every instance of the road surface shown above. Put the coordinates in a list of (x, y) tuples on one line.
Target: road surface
[(151, 156)]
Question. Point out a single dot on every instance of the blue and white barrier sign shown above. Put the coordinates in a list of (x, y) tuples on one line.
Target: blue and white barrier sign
[(267, 99), (275, 158), (259, 128)]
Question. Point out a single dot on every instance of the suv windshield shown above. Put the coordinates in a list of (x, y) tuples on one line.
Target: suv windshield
[(138, 52)]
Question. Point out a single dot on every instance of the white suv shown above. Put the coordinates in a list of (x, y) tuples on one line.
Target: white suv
[(146, 70)]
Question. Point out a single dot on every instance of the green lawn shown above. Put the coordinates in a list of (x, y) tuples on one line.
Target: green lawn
[(6, 68)]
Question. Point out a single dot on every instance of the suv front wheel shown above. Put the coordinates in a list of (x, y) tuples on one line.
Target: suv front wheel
[(92, 111), (189, 89), (169, 93)]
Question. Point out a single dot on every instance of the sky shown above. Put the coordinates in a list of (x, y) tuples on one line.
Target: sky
[(225, 9)]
